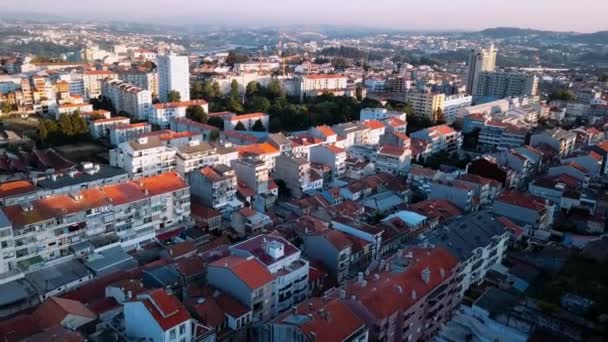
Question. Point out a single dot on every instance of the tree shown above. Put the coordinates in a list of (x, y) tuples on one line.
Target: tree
[(439, 117), (259, 104), (216, 122), (252, 88), (197, 90), (359, 93), (216, 90), (284, 191), (174, 96), (274, 89), (65, 125), (6, 107), (79, 125), (240, 127), (43, 132), (234, 105), (234, 89), (196, 113), (234, 58), (258, 126), (214, 135), (562, 94)]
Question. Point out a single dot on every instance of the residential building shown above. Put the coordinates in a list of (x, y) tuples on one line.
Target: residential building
[(453, 104), (524, 208), (333, 249), (246, 279), (248, 222), (496, 135), (479, 61), (318, 319), (562, 141), (332, 156), (127, 98), (380, 114), (479, 241), (173, 75), (163, 113), (461, 193), (144, 156), (247, 121), (426, 104), (215, 187), (124, 132), (297, 175), (284, 261), (440, 138), (392, 159), (160, 317), (353, 133), (144, 79), (71, 108), (408, 297), (101, 127), (312, 85), (501, 84), (92, 80)]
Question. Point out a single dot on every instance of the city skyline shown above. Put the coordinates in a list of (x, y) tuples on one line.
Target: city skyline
[(467, 15)]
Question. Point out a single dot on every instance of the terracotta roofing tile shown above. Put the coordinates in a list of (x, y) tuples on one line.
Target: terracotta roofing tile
[(251, 271), (166, 309), (17, 187)]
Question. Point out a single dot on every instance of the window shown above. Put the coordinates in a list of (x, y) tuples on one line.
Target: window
[(172, 334), (182, 329)]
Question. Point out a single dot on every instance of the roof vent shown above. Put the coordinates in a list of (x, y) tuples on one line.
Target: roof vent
[(426, 275)]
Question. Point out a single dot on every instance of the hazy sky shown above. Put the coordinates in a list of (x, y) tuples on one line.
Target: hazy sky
[(563, 15)]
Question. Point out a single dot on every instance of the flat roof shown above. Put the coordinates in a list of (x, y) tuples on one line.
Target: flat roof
[(55, 276)]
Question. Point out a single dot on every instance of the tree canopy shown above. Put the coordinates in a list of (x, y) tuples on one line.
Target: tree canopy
[(174, 96), (196, 113)]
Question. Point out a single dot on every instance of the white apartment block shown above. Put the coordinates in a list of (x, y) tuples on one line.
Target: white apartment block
[(133, 212), (331, 156), (317, 84), (124, 132), (253, 172), (147, 80), (380, 114), (562, 141), (144, 156), (425, 104), (216, 187), (71, 108), (196, 154), (173, 74), (128, 98), (91, 82), (501, 84), (392, 159), (440, 138), (453, 104), (163, 113), (101, 127)]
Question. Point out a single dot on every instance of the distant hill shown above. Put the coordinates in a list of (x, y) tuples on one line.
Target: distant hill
[(509, 32), (600, 37)]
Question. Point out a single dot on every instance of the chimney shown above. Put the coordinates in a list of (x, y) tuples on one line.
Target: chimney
[(414, 295), (426, 275)]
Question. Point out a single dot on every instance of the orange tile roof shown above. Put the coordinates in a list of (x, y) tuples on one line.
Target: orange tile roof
[(99, 72), (323, 76), (247, 116), (326, 130), (54, 310), (166, 309), (263, 148), (163, 183), (335, 149), (18, 187), (392, 150), (373, 124), (250, 271)]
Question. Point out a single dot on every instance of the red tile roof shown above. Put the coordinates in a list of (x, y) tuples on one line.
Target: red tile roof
[(522, 199), (54, 310), (247, 116), (373, 124), (326, 130), (166, 309), (329, 320), (252, 272), (17, 187)]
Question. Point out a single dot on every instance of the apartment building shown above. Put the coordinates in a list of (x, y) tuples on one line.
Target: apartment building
[(247, 121), (462, 194), (101, 127), (331, 156), (453, 104), (312, 85), (392, 159), (480, 60), (408, 297), (71, 108), (501, 84), (173, 74), (479, 241), (525, 209), (163, 113), (183, 124), (440, 138), (147, 80), (92, 80), (246, 279), (319, 319), (333, 249), (562, 141), (123, 132), (284, 261), (216, 187), (297, 175), (130, 213), (128, 98), (426, 104), (144, 156), (496, 135), (195, 155)]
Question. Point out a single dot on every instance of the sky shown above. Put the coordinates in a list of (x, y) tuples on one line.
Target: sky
[(561, 15)]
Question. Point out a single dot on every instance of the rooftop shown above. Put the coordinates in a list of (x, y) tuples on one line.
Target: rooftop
[(250, 270)]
